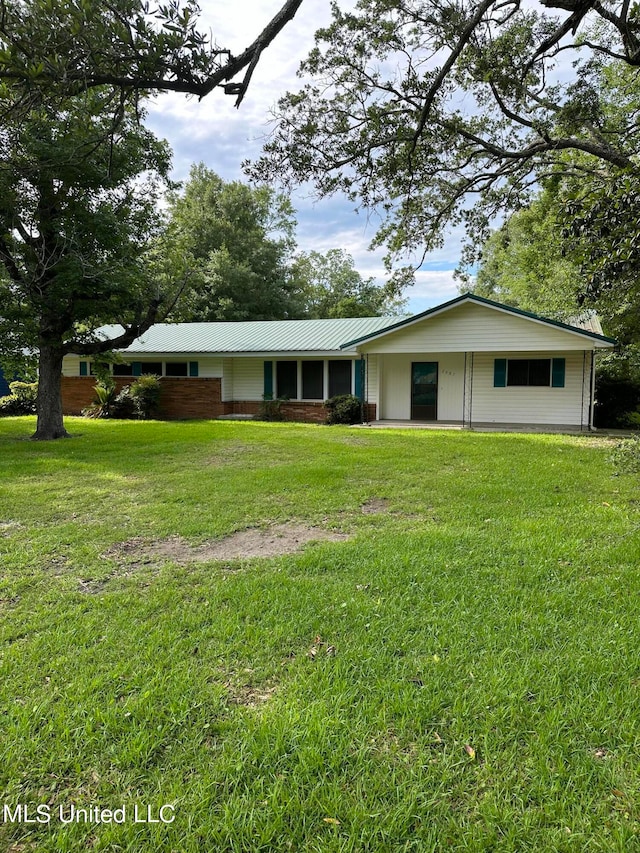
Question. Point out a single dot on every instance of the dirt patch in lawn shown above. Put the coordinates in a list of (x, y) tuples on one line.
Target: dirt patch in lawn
[(373, 506), (253, 542), (251, 696)]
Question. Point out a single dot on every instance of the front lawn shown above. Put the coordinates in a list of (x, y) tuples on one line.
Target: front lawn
[(459, 671)]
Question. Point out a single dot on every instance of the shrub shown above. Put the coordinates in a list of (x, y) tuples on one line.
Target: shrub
[(616, 399), (124, 406), (632, 419), (271, 410), (136, 401), (21, 400), (626, 455), (145, 393), (102, 405), (344, 409)]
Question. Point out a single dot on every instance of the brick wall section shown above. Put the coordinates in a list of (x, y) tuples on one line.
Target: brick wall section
[(77, 393), (180, 398), (307, 412), (191, 398)]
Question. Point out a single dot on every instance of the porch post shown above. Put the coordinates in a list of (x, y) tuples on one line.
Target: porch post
[(464, 390), (592, 398), (468, 391)]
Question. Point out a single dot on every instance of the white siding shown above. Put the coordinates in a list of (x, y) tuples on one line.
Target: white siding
[(248, 378), (208, 368), (531, 405), (71, 365), (475, 328), (372, 381), (227, 379), (395, 380)]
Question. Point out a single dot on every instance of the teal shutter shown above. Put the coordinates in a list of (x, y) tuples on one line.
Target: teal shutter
[(136, 368), (84, 368), (500, 373), (557, 372), (193, 368), (268, 381), (360, 378)]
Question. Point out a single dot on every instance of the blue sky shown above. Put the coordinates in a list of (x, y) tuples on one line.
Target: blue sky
[(212, 131)]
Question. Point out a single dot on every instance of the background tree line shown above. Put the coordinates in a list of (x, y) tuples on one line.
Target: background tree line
[(239, 244)]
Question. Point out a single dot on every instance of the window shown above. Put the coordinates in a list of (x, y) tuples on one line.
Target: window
[(154, 367), (312, 380), (177, 368), (532, 372), (123, 370), (339, 378), (287, 379), (529, 371), (312, 384)]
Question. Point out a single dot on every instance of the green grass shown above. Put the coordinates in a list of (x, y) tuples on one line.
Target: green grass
[(485, 686)]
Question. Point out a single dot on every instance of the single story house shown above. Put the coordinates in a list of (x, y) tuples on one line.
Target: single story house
[(470, 361)]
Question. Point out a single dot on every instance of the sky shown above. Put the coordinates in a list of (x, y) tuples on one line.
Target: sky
[(214, 132)]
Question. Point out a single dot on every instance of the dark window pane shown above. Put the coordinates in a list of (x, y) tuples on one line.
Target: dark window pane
[(287, 379), (177, 368), (154, 367), (123, 370), (339, 378), (540, 371), (529, 371), (312, 380), (518, 371)]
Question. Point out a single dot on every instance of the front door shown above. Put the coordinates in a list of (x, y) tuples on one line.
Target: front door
[(424, 390)]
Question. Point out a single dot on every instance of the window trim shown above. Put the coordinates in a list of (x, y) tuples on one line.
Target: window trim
[(557, 372), (192, 367), (270, 377)]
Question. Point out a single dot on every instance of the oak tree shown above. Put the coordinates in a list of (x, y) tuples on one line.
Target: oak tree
[(79, 174), (441, 113)]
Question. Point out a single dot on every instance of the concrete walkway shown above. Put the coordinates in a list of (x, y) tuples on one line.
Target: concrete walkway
[(491, 427)]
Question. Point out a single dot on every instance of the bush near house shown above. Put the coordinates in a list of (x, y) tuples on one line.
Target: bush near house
[(138, 401), (21, 400), (102, 405), (145, 393), (344, 409), (271, 409)]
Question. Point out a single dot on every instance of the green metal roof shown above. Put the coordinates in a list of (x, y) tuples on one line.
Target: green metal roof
[(306, 336), (253, 336)]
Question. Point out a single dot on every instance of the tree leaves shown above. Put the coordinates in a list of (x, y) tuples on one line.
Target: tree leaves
[(447, 116), (66, 48)]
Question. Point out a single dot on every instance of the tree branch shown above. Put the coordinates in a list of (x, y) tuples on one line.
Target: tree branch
[(439, 79), (172, 77)]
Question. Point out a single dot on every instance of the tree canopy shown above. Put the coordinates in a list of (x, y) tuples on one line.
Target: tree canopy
[(449, 112), (80, 175), (330, 286), (523, 264), (54, 48), (78, 209), (238, 242)]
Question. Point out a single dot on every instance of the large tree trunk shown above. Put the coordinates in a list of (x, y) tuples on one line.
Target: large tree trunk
[(50, 423)]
